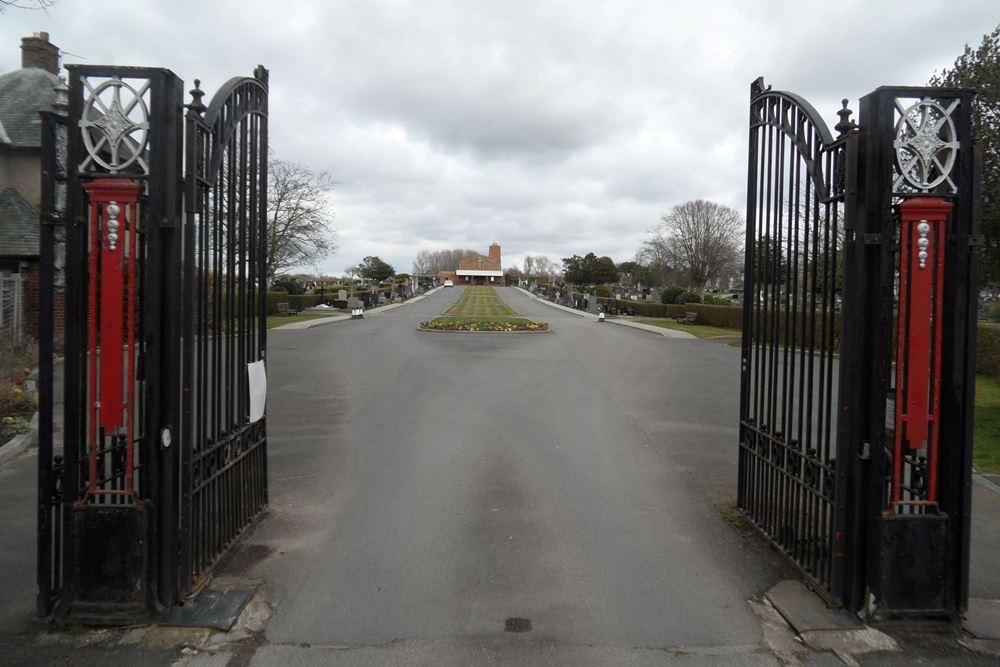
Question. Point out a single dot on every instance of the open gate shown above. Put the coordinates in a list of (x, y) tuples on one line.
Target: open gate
[(149, 463), (858, 349)]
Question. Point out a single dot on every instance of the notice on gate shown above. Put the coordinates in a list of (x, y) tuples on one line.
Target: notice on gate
[(257, 377)]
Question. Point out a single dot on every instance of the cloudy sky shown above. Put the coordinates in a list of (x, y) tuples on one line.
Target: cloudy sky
[(553, 127)]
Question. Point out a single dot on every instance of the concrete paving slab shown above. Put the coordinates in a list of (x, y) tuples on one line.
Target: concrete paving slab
[(982, 621), (526, 654), (806, 611)]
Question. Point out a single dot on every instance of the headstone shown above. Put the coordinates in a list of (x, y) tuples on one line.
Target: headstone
[(382, 300), (342, 295), (353, 302)]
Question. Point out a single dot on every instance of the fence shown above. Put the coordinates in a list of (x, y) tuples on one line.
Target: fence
[(11, 307)]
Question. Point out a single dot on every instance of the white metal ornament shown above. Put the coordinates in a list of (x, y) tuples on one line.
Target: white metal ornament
[(926, 146), (115, 132)]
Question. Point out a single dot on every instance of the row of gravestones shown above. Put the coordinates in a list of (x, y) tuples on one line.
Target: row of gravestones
[(354, 302)]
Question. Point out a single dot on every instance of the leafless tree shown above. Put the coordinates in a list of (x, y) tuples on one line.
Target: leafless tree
[(299, 221), (653, 256), (26, 4), (539, 265), (702, 240), (429, 262)]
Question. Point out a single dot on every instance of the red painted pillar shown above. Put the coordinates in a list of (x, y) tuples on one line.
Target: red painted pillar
[(918, 342), (113, 297)]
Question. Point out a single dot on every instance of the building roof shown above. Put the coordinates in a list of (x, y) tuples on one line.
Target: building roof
[(18, 225), (23, 93)]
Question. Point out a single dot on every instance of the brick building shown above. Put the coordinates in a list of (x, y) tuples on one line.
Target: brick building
[(23, 93), (479, 270)]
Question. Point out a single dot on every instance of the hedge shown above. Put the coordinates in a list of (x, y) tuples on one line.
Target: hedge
[(988, 352), (301, 301)]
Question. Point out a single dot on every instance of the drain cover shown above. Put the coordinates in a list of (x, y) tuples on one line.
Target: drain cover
[(517, 625)]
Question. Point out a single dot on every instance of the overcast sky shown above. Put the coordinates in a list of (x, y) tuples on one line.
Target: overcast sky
[(552, 127)]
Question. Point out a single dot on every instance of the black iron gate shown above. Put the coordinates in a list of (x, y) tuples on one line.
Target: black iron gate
[(858, 345), (150, 464), (788, 416)]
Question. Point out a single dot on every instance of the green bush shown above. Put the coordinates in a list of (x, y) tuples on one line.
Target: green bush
[(713, 300), (670, 294), (604, 291), (991, 311), (689, 297), (988, 353)]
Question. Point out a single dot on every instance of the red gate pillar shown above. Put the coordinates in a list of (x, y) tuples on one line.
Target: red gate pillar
[(918, 347), (913, 562), (112, 299)]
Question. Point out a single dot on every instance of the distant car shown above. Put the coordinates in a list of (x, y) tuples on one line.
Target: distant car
[(449, 283)]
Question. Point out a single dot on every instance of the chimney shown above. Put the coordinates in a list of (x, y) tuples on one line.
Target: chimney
[(38, 51), (495, 252)]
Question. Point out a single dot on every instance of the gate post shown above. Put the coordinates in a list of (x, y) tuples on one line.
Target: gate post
[(920, 221)]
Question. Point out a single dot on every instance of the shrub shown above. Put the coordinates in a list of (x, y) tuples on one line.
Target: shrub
[(713, 300), (604, 291), (290, 285), (689, 297), (670, 294), (988, 353), (991, 311)]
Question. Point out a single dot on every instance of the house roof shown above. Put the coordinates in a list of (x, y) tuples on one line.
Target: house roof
[(23, 93), (18, 225)]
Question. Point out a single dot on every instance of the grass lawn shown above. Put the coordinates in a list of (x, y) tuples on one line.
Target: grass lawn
[(480, 302), (699, 330), (986, 454), (278, 320)]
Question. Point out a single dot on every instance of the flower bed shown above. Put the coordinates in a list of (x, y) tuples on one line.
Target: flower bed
[(473, 324)]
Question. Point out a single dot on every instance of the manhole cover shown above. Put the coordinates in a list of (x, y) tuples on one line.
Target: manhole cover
[(517, 625)]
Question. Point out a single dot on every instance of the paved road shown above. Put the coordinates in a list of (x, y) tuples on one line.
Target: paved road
[(426, 487)]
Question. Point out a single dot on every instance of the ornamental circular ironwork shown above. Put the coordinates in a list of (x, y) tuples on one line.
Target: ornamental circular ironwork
[(926, 144), (115, 133)]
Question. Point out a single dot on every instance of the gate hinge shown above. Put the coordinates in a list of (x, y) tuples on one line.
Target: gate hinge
[(866, 451), (977, 240), (873, 239)]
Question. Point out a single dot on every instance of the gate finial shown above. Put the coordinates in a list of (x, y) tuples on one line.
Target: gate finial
[(846, 124), (196, 105)]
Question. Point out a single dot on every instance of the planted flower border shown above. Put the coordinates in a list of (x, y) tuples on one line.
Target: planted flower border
[(481, 310)]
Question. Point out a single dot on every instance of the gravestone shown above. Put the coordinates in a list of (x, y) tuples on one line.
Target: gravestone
[(353, 302), (342, 295)]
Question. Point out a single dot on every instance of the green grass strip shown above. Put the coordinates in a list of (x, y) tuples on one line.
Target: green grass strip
[(986, 454), (699, 330)]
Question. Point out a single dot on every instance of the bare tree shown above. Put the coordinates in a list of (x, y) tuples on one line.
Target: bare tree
[(299, 218), (702, 240), (545, 266), (653, 257), (26, 4), (429, 262)]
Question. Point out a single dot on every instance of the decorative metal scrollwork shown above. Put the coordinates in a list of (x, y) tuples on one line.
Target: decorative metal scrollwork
[(116, 130), (926, 146)]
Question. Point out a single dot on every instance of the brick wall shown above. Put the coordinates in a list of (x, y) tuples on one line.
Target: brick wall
[(33, 303)]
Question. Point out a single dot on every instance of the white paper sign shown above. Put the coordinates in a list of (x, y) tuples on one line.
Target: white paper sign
[(257, 377)]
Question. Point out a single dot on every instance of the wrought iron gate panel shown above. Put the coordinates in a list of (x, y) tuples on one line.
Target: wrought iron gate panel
[(788, 480), (163, 312), (224, 470)]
